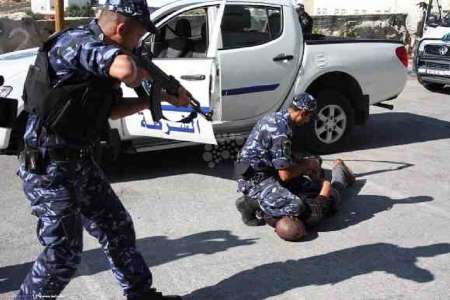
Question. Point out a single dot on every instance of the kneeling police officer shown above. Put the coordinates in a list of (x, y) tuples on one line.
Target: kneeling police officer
[(70, 92), (267, 167), (283, 189)]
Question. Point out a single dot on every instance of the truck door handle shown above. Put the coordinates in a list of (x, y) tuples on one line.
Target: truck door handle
[(283, 56), (193, 77)]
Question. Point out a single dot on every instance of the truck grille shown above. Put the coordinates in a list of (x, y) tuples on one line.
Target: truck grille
[(436, 50), (437, 66)]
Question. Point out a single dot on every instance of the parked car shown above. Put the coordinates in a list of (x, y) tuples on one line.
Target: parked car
[(243, 59), (432, 57)]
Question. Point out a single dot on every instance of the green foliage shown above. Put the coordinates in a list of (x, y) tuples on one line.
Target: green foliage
[(77, 11), (34, 16)]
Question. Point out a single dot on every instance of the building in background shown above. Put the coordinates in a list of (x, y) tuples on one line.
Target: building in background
[(47, 7), (358, 7)]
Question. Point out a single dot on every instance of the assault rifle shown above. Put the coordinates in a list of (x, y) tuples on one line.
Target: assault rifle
[(161, 81)]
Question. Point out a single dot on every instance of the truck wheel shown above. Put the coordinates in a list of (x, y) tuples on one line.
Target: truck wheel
[(334, 122)]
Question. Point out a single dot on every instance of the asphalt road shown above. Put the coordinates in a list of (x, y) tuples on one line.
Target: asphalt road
[(390, 240)]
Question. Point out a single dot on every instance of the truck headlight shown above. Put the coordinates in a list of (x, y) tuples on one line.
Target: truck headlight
[(5, 91)]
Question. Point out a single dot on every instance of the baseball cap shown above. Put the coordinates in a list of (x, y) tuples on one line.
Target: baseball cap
[(306, 102), (136, 9)]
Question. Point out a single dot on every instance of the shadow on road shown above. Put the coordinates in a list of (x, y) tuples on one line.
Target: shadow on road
[(382, 130), (156, 251), (357, 208), (171, 162), (276, 278), (397, 128)]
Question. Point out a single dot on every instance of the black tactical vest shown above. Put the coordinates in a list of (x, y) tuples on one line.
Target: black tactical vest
[(77, 112)]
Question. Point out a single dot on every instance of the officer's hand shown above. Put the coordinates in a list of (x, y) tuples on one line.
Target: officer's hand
[(183, 99)]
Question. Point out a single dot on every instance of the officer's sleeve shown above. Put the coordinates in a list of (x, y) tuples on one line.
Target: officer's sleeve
[(85, 54), (281, 151), (96, 57)]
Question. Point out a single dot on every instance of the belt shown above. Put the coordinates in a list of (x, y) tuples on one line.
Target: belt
[(70, 154)]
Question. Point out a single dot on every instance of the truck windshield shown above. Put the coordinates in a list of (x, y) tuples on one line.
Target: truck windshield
[(435, 16)]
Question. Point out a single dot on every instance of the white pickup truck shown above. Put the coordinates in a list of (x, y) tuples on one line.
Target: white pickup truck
[(432, 56), (243, 59)]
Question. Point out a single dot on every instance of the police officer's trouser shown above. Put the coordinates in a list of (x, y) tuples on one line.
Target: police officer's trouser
[(73, 195), (276, 199)]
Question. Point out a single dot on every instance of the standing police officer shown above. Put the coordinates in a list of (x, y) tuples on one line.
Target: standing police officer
[(266, 164), (70, 92)]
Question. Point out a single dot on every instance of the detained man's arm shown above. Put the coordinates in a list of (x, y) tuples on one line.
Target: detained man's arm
[(299, 169), (326, 190)]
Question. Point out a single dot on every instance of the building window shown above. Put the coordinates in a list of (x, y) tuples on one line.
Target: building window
[(336, 11)]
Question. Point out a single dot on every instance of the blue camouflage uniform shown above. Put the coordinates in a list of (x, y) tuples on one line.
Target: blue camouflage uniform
[(75, 194), (269, 149)]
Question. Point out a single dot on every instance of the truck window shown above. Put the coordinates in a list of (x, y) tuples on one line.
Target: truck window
[(185, 35), (248, 26)]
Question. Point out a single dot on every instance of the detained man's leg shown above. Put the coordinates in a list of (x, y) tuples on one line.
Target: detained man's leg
[(341, 178), (59, 230), (105, 218)]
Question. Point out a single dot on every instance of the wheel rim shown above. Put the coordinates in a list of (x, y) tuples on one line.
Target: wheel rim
[(331, 124)]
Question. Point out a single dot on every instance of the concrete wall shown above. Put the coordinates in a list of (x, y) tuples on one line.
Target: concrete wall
[(384, 26), (47, 6), (27, 33), (358, 7)]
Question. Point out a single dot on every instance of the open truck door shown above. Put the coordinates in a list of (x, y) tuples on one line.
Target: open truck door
[(185, 47)]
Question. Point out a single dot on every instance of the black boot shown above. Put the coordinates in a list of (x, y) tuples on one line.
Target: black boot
[(248, 208), (152, 294)]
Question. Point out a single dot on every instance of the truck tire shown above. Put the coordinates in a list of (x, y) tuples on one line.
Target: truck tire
[(335, 119)]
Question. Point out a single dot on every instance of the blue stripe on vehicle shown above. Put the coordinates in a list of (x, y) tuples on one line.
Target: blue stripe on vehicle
[(250, 89), (182, 109)]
